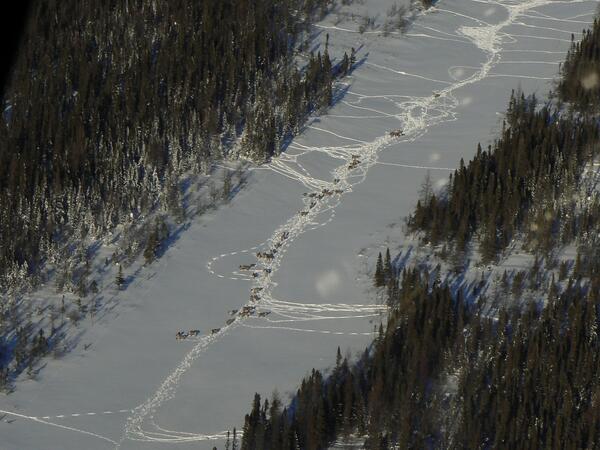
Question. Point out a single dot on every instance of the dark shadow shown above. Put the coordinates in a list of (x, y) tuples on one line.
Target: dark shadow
[(173, 237), (359, 63), (400, 261), (339, 93), (12, 33), (317, 45)]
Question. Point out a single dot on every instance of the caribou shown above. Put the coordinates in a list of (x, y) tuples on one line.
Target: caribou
[(247, 311), (266, 255)]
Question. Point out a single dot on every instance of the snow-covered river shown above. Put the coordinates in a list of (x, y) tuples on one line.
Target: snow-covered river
[(444, 84)]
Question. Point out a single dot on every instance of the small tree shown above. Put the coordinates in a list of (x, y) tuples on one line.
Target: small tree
[(214, 193), (119, 280), (344, 66), (226, 187), (155, 239), (426, 190), (379, 272), (505, 282), (82, 286), (563, 270), (517, 286), (4, 378), (387, 266), (234, 442), (151, 246), (41, 344)]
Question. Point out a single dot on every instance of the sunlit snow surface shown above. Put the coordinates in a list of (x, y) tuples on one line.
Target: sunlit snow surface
[(443, 83)]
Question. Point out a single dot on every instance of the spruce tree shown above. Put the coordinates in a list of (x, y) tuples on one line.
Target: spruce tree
[(151, 246), (387, 267), (119, 280), (379, 279)]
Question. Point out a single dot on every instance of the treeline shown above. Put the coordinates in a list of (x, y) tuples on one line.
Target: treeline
[(514, 184), (442, 375), (110, 103), (532, 180), (580, 82), (386, 394)]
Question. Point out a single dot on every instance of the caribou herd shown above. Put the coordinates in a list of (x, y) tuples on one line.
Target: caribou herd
[(267, 256), (184, 335), (244, 311)]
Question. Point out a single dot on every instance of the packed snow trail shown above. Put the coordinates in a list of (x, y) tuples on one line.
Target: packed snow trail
[(415, 116), (56, 425)]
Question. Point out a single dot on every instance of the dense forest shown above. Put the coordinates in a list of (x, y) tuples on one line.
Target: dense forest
[(449, 371), (110, 104), (111, 109), (513, 185), (527, 181), (443, 375), (580, 81)]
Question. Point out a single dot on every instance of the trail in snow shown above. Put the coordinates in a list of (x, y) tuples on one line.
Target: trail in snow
[(56, 425), (84, 414), (415, 116)]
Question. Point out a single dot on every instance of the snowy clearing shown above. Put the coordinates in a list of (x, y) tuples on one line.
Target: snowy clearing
[(332, 195)]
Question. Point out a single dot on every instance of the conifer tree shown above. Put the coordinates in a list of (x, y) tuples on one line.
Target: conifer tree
[(151, 246), (379, 279), (387, 267), (119, 280)]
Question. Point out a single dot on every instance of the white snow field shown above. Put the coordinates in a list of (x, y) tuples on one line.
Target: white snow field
[(443, 83)]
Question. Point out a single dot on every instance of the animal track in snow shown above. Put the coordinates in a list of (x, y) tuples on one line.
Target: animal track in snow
[(415, 115)]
